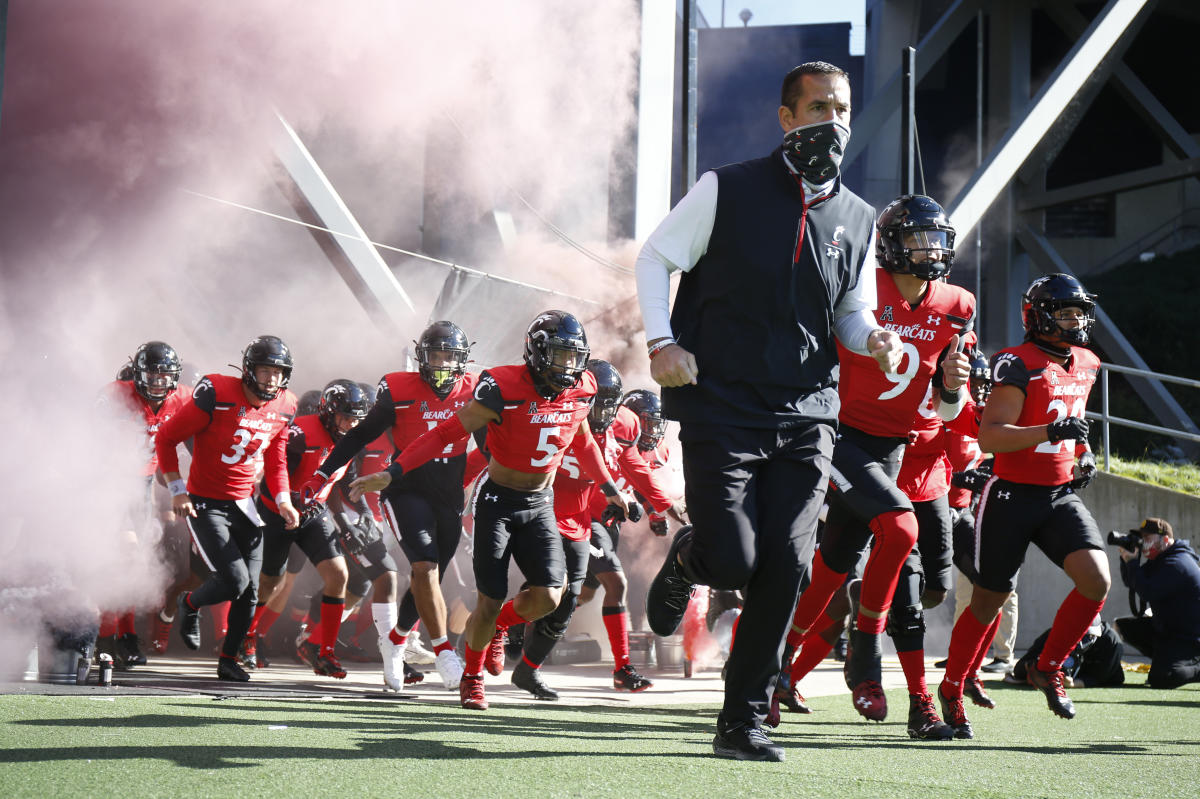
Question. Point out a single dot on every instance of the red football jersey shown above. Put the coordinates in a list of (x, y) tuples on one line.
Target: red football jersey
[(419, 410), (962, 448), (1052, 392), (885, 404), (533, 432), (308, 444), (229, 432), (123, 394)]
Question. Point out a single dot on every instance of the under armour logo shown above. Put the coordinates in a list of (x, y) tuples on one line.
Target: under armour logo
[(1003, 494), (933, 320), (459, 404), (491, 497), (831, 252), (863, 701), (533, 408)]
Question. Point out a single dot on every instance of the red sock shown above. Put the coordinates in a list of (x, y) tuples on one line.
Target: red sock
[(1074, 616), (913, 663), (525, 659), (812, 651), (964, 645), (220, 617), (331, 621), (615, 619), (473, 661), (126, 624), (509, 616), (441, 645), (108, 624), (895, 535), (812, 603), (988, 637), (398, 638), (264, 618)]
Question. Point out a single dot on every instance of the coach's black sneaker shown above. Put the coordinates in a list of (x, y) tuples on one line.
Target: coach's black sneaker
[(955, 715), (1050, 683), (745, 741), (626, 679), (530, 679), (670, 591), (973, 688), (923, 721), (230, 669), (189, 622), (130, 648)]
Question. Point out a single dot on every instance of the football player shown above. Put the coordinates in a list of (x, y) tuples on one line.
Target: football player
[(1034, 423), (231, 420), (533, 412), (914, 249), (424, 507)]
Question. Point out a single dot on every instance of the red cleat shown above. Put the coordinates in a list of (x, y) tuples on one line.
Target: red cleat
[(161, 635), (869, 700), (470, 693), (494, 660)]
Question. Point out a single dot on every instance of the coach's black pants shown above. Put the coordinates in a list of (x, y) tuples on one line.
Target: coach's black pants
[(754, 497)]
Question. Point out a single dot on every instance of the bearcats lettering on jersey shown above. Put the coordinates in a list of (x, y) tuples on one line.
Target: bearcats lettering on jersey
[(885, 404), (1052, 392), (229, 432), (124, 394), (533, 432)]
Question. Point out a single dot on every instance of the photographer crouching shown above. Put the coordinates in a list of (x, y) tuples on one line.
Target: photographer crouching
[(1168, 580)]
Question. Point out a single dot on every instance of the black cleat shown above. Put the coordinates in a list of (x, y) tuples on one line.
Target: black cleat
[(326, 664), (626, 679), (189, 622), (745, 741), (248, 652), (670, 591), (132, 651), (1050, 683), (787, 694), (412, 676), (973, 689), (308, 652), (230, 669), (923, 721), (530, 679), (955, 715)]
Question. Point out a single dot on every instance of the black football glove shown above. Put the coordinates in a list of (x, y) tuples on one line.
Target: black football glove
[(357, 536), (1071, 428), (972, 479), (308, 510), (1087, 471)]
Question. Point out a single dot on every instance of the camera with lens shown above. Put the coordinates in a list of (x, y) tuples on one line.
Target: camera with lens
[(1130, 542)]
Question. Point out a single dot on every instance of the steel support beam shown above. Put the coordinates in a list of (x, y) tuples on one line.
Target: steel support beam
[(1041, 113), (1126, 181), (1152, 392), (345, 244)]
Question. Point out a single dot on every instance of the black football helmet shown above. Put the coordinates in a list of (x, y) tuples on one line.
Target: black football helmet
[(126, 372), (342, 396), (556, 352), (980, 379), (156, 370), (924, 224), (1052, 293), (648, 408), (266, 351), (371, 391), (309, 403), (448, 338), (608, 395)]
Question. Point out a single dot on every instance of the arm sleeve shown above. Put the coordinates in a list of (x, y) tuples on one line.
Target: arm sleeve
[(677, 244), (189, 421), (275, 464), (854, 320), (590, 458), (380, 419), (638, 474), (430, 445), (295, 449)]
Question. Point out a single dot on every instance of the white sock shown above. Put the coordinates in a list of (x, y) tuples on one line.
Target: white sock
[(385, 615)]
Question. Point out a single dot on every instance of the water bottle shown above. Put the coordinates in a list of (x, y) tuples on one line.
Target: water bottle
[(106, 668), (81, 670)]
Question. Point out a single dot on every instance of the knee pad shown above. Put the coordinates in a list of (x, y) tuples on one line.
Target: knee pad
[(906, 622), (554, 624)]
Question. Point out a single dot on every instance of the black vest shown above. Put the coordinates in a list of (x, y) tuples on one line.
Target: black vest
[(757, 309)]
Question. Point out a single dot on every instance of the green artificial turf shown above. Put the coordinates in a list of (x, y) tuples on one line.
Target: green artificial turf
[(1126, 742)]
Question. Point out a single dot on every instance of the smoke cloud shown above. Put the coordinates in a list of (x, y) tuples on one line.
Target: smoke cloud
[(114, 113)]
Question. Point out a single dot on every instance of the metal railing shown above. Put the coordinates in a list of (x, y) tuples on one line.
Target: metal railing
[(1107, 419)]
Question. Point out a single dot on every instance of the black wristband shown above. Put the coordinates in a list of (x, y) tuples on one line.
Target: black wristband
[(609, 489), (395, 470), (949, 397)]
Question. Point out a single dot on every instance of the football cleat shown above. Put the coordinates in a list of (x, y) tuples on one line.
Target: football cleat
[(997, 666), (788, 695), (326, 664), (417, 654), (955, 715), (162, 633), (745, 742), (923, 721), (260, 652), (230, 669), (626, 679), (450, 668), (1050, 683), (412, 676), (470, 693), (308, 652), (670, 591), (530, 679), (869, 700), (393, 665), (189, 623), (493, 660), (248, 652), (973, 688)]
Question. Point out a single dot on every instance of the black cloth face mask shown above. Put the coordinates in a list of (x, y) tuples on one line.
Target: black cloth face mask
[(816, 150)]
